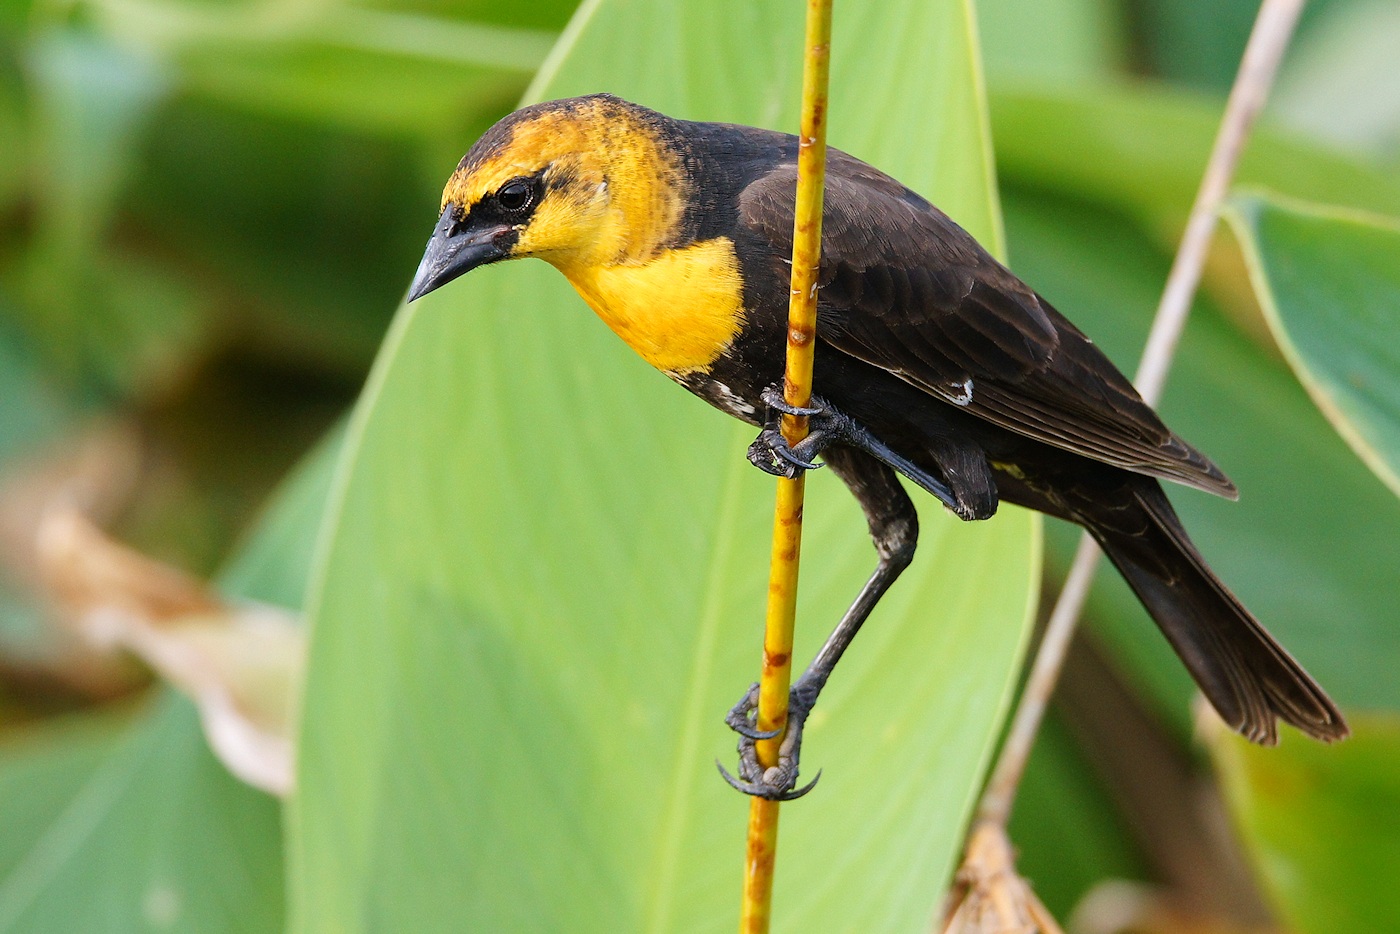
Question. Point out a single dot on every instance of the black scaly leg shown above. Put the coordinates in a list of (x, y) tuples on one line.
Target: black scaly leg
[(894, 528)]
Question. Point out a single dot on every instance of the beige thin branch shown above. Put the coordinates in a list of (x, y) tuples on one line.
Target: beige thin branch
[(1267, 41)]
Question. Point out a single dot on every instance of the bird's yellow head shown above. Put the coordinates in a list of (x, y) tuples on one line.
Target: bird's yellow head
[(587, 181)]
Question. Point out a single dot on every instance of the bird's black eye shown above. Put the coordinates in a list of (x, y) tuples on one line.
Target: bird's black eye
[(516, 196)]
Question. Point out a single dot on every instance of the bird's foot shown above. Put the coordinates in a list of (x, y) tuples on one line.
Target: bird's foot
[(778, 782), (771, 452)]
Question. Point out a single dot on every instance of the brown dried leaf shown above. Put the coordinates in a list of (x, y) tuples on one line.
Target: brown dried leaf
[(95, 470), (241, 663)]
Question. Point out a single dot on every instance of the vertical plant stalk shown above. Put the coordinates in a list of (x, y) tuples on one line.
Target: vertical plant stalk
[(761, 852), (1267, 41)]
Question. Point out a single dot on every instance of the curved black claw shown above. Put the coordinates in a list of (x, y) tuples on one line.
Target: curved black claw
[(764, 790), (789, 455), (771, 453), (741, 716), (773, 398)]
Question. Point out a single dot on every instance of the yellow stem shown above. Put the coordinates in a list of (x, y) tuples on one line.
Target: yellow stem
[(762, 847)]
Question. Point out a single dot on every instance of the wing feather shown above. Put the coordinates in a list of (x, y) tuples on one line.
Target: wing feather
[(906, 289)]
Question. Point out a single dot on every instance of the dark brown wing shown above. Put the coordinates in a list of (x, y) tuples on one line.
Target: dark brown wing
[(906, 289)]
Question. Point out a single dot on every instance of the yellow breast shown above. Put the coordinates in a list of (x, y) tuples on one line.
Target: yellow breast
[(680, 309)]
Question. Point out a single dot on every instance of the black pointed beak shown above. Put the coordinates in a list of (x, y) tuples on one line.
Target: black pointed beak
[(456, 249)]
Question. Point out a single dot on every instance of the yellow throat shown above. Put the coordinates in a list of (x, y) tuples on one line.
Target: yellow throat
[(680, 309)]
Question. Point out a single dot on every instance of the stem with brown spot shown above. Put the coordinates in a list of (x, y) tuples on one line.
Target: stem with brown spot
[(761, 852)]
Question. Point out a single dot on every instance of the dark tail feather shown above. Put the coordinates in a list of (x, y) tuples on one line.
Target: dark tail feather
[(1247, 676)]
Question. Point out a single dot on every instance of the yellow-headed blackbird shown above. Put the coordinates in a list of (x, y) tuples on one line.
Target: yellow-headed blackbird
[(932, 361)]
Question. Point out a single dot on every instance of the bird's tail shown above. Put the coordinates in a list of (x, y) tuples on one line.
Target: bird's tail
[(1247, 676)]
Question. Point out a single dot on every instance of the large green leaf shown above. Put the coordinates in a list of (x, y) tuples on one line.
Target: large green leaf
[(1329, 283), (160, 838), (1308, 546), (544, 575), (42, 768), (1322, 824)]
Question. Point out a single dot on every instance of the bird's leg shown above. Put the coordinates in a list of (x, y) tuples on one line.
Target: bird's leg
[(829, 426), (894, 528)]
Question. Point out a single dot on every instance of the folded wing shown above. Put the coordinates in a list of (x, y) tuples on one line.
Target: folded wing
[(907, 290)]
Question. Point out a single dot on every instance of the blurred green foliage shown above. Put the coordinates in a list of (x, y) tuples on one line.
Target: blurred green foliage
[(209, 212), (1322, 824), (214, 205)]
